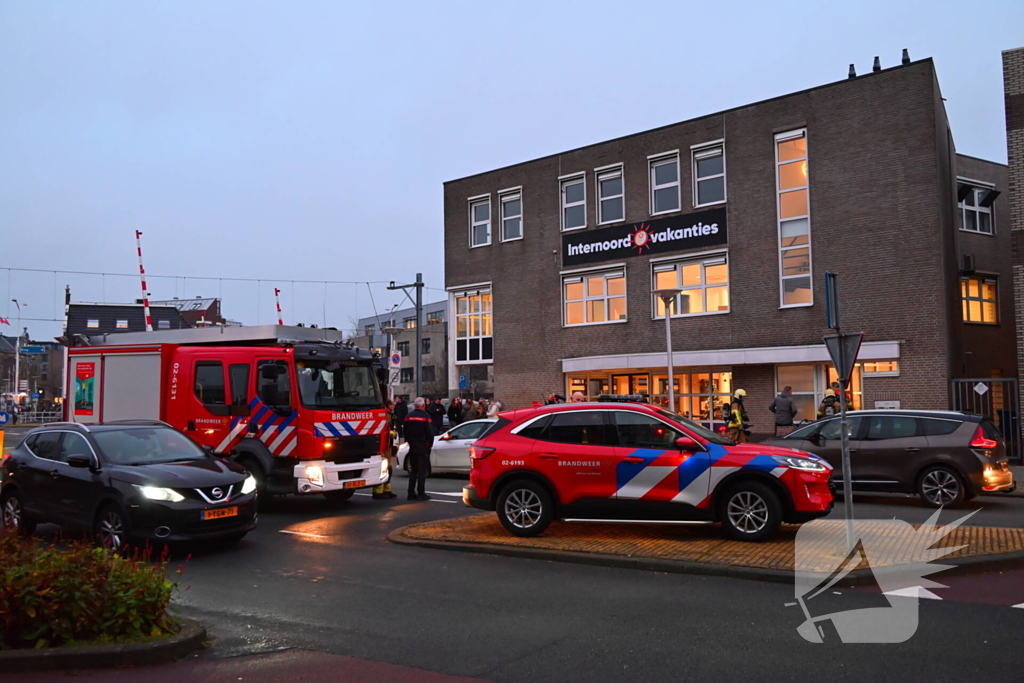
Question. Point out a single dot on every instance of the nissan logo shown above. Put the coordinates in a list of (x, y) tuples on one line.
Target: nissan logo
[(217, 492)]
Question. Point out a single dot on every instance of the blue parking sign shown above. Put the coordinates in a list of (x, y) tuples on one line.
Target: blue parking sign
[(4, 418), (463, 381)]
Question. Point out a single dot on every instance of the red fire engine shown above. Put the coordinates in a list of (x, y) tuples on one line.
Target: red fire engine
[(298, 407)]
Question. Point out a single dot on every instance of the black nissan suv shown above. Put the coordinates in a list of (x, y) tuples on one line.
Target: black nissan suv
[(125, 483)]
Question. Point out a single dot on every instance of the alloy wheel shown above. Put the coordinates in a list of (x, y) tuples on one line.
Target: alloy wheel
[(12, 516), (111, 531), (748, 512), (940, 487), (523, 508)]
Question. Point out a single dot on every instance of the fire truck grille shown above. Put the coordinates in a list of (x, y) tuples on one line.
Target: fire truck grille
[(353, 448)]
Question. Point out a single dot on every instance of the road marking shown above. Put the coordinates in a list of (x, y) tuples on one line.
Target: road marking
[(1020, 606), (914, 592), (300, 533), (450, 502), (443, 493), (368, 495)]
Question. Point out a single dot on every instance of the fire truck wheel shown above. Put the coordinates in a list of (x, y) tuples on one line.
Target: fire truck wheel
[(339, 496), (263, 499)]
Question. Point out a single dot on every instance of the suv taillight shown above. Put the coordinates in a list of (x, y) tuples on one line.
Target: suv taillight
[(979, 440), (479, 452)]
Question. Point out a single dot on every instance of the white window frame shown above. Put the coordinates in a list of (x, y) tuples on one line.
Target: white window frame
[(581, 276), (658, 160), (474, 202), (571, 180), (979, 189), (610, 173), (504, 197), (705, 151), (783, 137), (468, 293), (665, 265)]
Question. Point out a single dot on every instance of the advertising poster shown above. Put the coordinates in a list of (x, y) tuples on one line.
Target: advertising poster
[(85, 388)]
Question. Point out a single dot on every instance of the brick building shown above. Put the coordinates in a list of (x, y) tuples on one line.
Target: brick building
[(551, 263), (1013, 92)]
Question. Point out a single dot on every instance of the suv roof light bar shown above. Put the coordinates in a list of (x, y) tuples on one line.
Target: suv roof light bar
[(622, 398)]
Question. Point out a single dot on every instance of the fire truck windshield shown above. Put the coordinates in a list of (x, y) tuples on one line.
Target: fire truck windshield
[(330, 384)]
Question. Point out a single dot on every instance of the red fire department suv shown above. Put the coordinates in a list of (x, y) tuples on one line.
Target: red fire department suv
[(629, 461)]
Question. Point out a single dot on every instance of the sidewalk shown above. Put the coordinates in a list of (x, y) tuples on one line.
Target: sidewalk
[(705, 549), (289, 666)]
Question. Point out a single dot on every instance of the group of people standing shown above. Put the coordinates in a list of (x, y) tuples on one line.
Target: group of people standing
[(783, 406)]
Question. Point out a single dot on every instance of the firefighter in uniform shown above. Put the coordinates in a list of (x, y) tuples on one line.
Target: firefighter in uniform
[(738, 418), (419, 434), (383, 490)]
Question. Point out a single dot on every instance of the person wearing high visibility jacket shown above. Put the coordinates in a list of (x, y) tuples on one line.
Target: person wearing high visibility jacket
[(383, 490), (737, 418)]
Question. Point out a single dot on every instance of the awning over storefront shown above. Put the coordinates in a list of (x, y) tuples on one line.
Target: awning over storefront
[(768, 355)]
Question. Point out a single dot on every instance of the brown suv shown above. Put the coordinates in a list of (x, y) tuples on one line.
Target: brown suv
[(942, 456)]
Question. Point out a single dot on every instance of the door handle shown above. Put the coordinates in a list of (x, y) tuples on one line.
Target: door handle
[(54, 474), (634, 459), (911, 450), (548, 456)]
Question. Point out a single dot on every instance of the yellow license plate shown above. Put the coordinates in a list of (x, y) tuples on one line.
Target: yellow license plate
[(220, 513), (355, 484)]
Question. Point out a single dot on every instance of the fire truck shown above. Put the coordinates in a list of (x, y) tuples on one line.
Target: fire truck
[(298, 407)]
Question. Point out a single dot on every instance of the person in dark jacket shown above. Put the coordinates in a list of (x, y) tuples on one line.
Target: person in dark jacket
[(455, 412), (784, 408), (419, 434), (401, 412), (436, 412)]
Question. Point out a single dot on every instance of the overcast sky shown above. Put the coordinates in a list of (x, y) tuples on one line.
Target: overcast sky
[(310, 140)]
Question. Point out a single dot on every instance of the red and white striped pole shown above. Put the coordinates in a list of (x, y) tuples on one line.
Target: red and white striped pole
[(145, 291), (277, 298)]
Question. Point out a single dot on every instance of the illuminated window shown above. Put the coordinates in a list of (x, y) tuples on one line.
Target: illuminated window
[(881, 368), (664, 184), (480, 222), (794, 218), (122, 325), (611, 197), (473, 340), (593, 298), (705, 285), (708, 175), (574, 203), (975, 211), (92, 324), (511, 216), (979, 300)]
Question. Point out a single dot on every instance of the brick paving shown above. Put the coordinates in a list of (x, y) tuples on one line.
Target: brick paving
[(707, 544)]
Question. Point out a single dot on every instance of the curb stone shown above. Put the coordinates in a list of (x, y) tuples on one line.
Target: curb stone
[(957, 566), (190, 638)]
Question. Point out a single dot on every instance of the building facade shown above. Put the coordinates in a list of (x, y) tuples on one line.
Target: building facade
[(433, 337), (1013, 94), (551, 263)]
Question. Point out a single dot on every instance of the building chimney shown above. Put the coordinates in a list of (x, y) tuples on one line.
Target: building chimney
[(877, 65), (906, 56), (853, 72)]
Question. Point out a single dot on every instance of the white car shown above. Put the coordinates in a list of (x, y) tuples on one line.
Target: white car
[(451, 449)]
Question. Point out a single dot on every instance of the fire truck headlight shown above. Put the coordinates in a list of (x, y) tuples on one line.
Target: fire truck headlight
[(315, 475), (249, 485)]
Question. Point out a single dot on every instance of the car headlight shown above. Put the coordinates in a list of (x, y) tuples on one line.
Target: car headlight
[(158, 493), (799, 463), (249, 485)]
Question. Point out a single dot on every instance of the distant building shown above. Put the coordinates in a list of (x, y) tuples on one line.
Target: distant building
[(96, 318), (42, 371), (434, 337), (197, 312)]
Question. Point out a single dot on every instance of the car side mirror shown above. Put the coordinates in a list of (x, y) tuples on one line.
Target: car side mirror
[(686, 443), (79, 461), (446, 437)]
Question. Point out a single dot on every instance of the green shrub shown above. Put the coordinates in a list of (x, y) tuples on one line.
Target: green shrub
[(76, 593)]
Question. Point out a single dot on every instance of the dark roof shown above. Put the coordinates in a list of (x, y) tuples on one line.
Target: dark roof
[(8, 344), (108, 315)]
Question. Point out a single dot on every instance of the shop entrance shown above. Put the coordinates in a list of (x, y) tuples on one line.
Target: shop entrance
[(631, 384)]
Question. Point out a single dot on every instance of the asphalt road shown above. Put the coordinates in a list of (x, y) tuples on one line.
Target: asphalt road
[(323, 578)]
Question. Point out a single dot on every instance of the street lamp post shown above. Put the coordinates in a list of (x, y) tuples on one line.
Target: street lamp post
[(17, 354), (668, 295)]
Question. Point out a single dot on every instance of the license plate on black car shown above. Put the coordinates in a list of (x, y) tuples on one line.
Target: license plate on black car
[(220, 513)]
